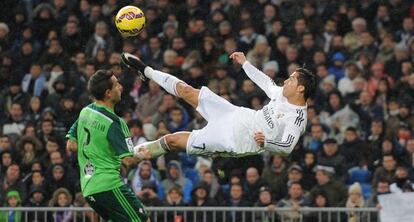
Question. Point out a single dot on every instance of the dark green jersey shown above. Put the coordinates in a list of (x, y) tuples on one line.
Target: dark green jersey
[(103, 139)]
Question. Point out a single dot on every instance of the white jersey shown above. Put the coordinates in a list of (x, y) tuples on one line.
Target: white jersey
[(230, 129), (281, 122)]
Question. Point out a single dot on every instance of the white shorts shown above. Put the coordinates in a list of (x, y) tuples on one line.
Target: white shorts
[(219, 136)]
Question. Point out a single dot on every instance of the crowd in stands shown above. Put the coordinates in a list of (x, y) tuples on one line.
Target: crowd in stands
[(359, 141)]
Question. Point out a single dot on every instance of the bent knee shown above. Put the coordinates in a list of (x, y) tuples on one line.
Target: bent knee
[(177, 141), (171, 140)]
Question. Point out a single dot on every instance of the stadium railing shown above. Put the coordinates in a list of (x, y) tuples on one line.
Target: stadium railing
[(214, 214)]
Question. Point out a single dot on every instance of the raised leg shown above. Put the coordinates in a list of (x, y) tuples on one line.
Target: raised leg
[(170, 83)]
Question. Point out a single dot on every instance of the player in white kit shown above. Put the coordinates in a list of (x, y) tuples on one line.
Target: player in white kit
[(234, 131)]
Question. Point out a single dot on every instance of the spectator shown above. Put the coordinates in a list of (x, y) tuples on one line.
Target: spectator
[(36, 180), (152, 53), (330, 156), (34, 82), (144, 173), (12, 200), (295, 175), (366, 110), (401, 180), (252, 184), (355, 200), (61, 198), (352, 147), (100, 40), (168, 103), (174, 198), (6, 161), (14, 94), (176, 121), (213, 187), (28, 148), (295, 200), (335, 191), (137, 132), (352, 39), (175, 178), (148, 194), (408, 156), (6, 144), (200, 197), (12, 181), (248, 39), (345, 85), (34, 113), (265, 200), (197, 123), (275, 175), (236, 200), (58, 180), (314, 141), (37, 198), (54, 54), (72, 37), (404, 117), (15, 122), (320, 200), (260, 53), (386, 170)]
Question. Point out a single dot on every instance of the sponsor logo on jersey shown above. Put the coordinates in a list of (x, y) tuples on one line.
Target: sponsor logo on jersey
[(129, 144), (200, 147), (268, 118)]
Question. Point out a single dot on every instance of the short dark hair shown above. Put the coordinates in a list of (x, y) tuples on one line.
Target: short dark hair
[(308, 80), (99, 83), (135, 123)]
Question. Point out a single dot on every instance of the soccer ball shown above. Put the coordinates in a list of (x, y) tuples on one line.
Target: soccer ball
[(130, 21)]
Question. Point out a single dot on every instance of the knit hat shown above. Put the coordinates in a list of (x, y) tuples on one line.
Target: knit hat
[(355, 188), (265, 189), (15, 194), (5, 27), (271, 65), (295, 167)]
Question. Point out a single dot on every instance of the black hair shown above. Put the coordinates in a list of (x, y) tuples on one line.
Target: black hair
[(135, 122), (307, 79), (99, 83), (351, 128)]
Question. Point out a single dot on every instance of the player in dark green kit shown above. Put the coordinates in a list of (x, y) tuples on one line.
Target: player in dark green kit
[(102, 139)]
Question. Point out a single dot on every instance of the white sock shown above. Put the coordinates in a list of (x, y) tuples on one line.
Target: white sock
[(156, 148), (165, 80)]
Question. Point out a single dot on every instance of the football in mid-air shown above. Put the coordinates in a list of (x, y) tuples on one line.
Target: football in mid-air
[(130, 21)]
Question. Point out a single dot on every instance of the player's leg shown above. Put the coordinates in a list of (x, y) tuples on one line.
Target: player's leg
[(102, 212), (170, 83), (167, 143), (114, 205)]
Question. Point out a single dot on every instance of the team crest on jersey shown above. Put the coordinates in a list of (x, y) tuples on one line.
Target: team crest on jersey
[(130, 144), (89, 169), (279, 115)]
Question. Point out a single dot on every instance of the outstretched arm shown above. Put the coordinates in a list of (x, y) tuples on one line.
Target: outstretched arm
[(257, 76)]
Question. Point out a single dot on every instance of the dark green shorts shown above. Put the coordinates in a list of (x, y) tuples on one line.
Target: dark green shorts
[(119, 204)]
